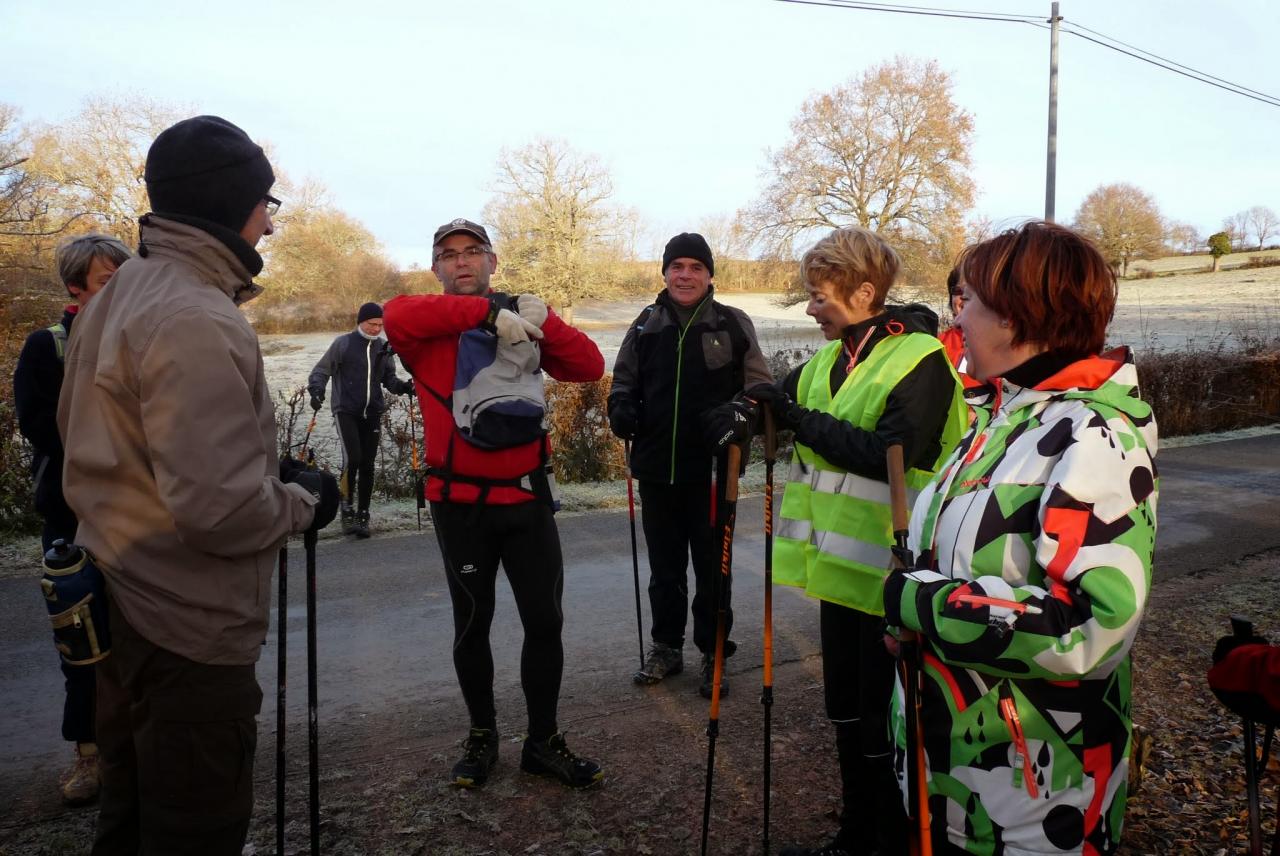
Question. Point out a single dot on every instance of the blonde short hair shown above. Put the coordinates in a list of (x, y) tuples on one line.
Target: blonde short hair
[(849, 257)]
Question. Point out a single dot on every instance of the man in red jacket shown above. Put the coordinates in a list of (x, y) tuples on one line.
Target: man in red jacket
[(492, 504)]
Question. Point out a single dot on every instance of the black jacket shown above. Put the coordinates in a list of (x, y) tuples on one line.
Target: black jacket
[(673, 376), (37, 381), (359, 368), (914, 413)]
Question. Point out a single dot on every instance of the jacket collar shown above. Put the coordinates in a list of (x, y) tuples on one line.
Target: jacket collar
[(211, 257)]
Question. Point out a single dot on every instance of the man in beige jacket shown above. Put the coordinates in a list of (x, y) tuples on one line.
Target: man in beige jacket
[(172, 470)]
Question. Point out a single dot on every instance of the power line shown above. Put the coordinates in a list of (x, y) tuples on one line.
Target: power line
[(929, 11), (1177, 68), (1101, 39)]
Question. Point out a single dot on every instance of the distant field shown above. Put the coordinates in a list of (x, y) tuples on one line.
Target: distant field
[(1173, 264)]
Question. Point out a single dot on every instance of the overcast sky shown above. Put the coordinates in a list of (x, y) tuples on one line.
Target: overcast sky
[(401, 108)]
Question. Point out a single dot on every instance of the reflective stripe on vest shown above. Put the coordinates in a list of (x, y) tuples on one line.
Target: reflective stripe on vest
[(59, 340), (835, 527)]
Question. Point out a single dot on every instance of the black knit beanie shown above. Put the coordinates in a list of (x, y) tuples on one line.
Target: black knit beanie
[(369, 310), (206, 167), (688, 245)]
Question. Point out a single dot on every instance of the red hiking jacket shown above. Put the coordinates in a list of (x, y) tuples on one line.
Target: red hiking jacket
[(424, 329)]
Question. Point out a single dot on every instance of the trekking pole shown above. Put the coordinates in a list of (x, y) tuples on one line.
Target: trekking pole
[(910, 658), (313, 724), (418, 493), (766, 694), (306, 441), (635, 554), (281, 615), (728, 513)]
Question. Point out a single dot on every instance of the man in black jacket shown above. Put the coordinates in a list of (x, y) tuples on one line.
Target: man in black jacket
[(681, 365), (85, 264), (359, 364)]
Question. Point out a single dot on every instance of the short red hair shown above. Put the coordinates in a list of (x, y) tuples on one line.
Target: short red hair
[(1049, 281)]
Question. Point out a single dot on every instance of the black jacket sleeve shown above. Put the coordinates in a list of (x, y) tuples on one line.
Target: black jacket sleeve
[(323, 370), (389, 379), (626, 370), (914, 415), (37, 380)]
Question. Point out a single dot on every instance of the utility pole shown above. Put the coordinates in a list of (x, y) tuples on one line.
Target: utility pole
[(1051, 166)]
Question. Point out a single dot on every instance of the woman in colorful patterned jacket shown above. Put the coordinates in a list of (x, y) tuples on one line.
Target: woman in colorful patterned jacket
[(1034, 545)]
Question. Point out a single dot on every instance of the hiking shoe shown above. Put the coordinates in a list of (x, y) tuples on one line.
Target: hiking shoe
[(551, 757), (708, 677), (362, 524), (663, 660), (480, 756), (348, 518), (80, 783)]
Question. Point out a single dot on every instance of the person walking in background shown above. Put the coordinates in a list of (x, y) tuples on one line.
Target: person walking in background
[(172, 470), (491, 492), (1033, 546), (882, 378), (680, 366), (359, 364), (85, 264)]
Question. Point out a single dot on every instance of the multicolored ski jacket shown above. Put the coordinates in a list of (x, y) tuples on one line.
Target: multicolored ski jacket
[(1035, 544)]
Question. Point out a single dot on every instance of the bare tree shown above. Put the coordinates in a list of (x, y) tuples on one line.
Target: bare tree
[(558, 234), (1184, 238), (1124, 222), (1237, 228), (98, 157), (1263, 222), (888, 151)]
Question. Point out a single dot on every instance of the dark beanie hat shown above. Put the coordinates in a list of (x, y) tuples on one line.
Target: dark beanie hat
[(208, 168), (688, 245), (369, 310)]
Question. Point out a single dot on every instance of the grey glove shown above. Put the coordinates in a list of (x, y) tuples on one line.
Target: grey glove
[(532, 309), (513, 329)]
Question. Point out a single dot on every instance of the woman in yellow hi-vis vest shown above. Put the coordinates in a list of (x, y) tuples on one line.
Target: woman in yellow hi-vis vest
[(882, 378)]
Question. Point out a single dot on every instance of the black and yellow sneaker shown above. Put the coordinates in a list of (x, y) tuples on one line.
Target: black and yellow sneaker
[(480, 755), (551, 757)]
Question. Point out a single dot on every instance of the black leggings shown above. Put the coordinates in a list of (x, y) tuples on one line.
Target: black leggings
[(359, 438), (473, 540)]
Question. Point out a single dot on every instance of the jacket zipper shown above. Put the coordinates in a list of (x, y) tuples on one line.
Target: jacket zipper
[(675, 411), (368, 375), (1022, 755)]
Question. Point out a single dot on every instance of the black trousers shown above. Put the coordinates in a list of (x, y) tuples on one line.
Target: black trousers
[(677, 526), (474, 540), (857, 676), (78, 707), (176, 740), (360, 437)]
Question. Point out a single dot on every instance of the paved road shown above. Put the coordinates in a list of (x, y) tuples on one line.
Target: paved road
[(385, 627)]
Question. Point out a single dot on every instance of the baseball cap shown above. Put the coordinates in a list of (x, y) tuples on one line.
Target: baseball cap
[(461, 225)]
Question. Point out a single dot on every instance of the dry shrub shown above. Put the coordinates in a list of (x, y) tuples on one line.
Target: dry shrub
[(1200, 392), (583, 449), (1262, 262)]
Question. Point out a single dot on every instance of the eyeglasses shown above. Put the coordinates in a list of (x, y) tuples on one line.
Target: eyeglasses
[(451, 256), (273, 204)]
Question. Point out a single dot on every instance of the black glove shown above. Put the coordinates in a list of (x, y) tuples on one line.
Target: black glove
[(406, 387), (624, 419), (324, 487), (316, 401), (787, 413), (728, 424)]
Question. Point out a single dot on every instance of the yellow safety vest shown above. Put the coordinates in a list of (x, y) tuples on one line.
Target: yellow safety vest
[(836, 527)]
